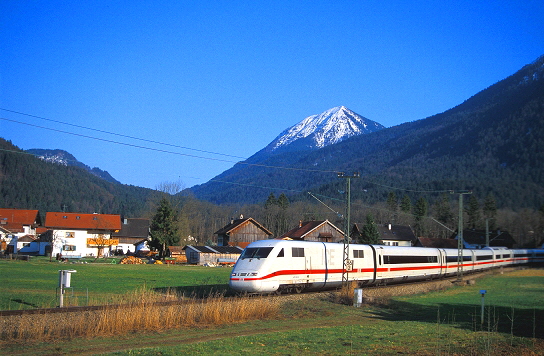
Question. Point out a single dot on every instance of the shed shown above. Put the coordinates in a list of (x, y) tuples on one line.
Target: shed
[(212, 255), (241, 232)]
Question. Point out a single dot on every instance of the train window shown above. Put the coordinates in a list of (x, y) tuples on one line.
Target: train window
[(483, 258), (409, 259), (453, 259), (298, 252), (256, 252), (280, 254), (358, 253)]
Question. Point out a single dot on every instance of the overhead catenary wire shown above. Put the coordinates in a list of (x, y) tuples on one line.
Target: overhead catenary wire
[(122, 135), (189, 148)]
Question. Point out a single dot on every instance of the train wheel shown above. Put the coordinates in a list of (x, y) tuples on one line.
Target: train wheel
[(298, 289)]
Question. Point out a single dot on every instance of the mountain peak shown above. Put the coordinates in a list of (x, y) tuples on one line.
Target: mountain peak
[(329, 127)]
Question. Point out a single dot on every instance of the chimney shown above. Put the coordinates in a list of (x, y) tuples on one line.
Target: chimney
[(300, 223), (389, 226)]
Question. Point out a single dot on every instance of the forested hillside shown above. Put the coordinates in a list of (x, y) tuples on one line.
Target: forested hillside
[(26, 182), (491, 143)]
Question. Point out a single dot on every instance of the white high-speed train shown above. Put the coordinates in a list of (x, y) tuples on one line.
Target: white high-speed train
[(269, 266)]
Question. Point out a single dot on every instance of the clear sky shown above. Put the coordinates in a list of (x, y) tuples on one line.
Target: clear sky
[(229, 76)]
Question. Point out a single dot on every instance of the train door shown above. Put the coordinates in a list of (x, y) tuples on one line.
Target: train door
[(442, 261), (380, 271)]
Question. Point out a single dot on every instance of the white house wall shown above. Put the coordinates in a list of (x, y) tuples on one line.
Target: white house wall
[(79, 241)]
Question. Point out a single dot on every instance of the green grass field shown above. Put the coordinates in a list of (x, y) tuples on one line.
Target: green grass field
[(28, 285), (444, 322)]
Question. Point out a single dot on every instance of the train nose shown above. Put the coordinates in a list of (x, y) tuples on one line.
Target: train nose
[(245, 282)]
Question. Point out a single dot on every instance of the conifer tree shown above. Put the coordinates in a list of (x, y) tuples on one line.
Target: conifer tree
[(473, 212), (163, 228), (406, 204), (420, 211), (490, 210), (369, 234)]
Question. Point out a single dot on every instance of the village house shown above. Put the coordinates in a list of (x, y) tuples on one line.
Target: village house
[(476, 239), (16, 224), (212, 255), (133, 237), (390, 235), (436, 243), (323, 231), (241, 232), (76, 235)]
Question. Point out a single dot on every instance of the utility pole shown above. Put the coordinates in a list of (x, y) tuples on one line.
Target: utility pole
[(460, 235), (347, 264)]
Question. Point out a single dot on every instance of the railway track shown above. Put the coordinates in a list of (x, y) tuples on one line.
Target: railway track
[(378, 291)]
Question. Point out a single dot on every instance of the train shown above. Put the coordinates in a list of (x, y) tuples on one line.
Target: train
[(291, 266)]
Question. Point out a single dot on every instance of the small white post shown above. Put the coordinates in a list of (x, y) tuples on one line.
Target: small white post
[(357, 297), (64, 282)]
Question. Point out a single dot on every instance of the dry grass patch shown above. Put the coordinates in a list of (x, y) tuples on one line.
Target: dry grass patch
[(145, 311)]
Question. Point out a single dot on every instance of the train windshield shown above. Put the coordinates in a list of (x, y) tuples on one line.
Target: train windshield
[(257, 252)]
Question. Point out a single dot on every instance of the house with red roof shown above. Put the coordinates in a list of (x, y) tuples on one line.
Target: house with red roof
[(16, 224), (323, 231), (76, 235)]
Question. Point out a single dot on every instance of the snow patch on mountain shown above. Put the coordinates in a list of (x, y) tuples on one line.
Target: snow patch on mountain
[(327, 128)]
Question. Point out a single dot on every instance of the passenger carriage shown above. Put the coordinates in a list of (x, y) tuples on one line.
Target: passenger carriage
[(292, 266)]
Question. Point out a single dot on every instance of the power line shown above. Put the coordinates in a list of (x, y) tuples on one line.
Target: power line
[(120, 135), (166, 151), (188, 148)]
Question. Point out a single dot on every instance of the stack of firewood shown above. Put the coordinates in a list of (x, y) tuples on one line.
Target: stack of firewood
[(131, 260)]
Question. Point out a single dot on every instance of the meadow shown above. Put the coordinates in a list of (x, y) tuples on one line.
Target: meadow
[(34, 284), (445, 322)]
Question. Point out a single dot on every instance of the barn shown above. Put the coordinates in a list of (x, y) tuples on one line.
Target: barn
[(241, 232), (212, 255)]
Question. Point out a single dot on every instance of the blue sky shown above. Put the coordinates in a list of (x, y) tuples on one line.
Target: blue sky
[(229, 76)]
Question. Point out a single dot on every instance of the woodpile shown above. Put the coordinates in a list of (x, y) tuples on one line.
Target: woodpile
[(131, 260)]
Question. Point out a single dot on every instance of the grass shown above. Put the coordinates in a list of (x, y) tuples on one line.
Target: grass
[(444, 322), (29, 285), (144, 311)]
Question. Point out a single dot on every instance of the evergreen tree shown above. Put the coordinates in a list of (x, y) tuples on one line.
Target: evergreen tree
[(163, 228), (283, 202), (281, 217), (444, 213), (473, 211), (490, 210), (392, 205), (406, 204), (271, 201), (369, 234), (420, 211)]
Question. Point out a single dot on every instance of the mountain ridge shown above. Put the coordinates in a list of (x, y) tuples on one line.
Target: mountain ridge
[(489, 141), (67, 159)]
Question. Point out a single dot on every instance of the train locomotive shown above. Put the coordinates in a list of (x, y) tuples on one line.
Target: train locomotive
[(288, 266)]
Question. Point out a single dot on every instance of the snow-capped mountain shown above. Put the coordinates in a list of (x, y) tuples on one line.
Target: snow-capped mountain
[(327, 128), (66, 159)]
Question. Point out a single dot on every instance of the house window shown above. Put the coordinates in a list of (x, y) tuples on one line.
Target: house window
[(298, 252), (65, 217), (69, 235), (69, 248), (26, 244), (358, 253), (77, 217)]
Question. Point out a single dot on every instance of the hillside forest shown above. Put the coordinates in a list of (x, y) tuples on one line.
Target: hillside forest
[(26, 182)]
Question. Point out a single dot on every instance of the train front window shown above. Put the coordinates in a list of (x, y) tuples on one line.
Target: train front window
[(256, 252)]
